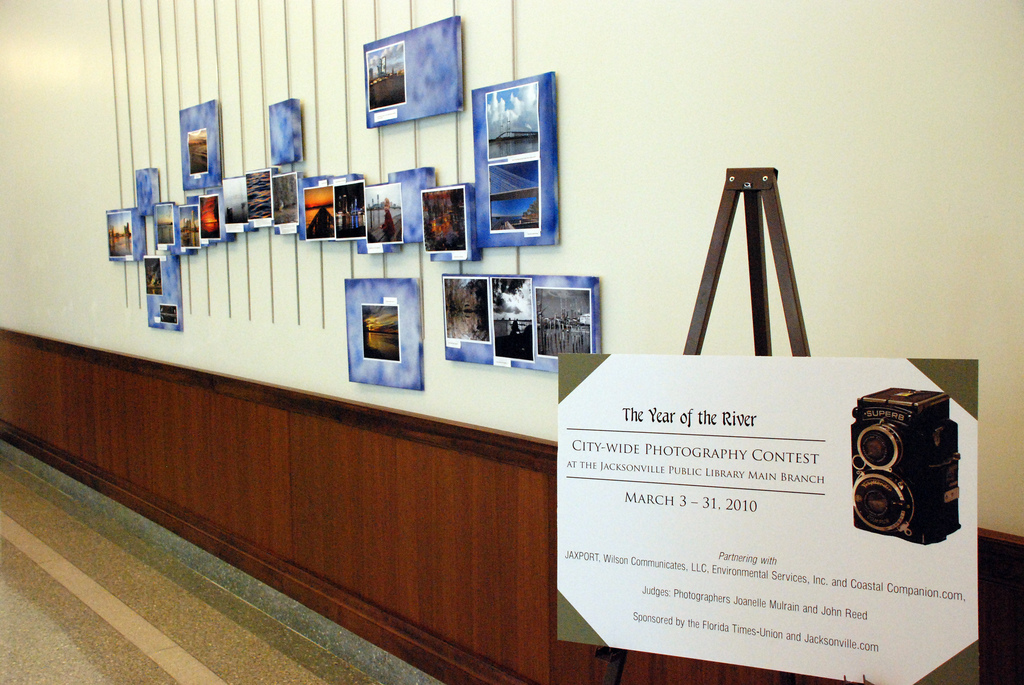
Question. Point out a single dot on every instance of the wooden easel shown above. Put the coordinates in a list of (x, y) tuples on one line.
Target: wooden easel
[(759, 187)]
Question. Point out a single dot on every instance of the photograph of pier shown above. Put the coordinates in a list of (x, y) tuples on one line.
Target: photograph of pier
[(119, 233), (384, 213), (257, 191), (236, 203), (285, 198), (563, 321), (515, 203), (380, 333), (169, 314), (154, 283), (319, 213), (465, 309), (209, 217), (350, 210), (197, 157), (188, 219), (163, 215), (512, 317), (513, 122), (444, 219), (385, 76)]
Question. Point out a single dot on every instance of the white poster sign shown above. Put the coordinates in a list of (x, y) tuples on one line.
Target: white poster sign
[(809, 515)]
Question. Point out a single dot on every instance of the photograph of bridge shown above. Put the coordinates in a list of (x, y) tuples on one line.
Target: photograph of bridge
[(513, 122), (515, 196), (385, 76)]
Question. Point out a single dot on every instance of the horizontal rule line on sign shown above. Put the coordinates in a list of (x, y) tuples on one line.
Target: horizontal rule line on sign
[(694, 485), (696, 435)]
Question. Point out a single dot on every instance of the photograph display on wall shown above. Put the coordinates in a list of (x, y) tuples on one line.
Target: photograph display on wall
[(200, 146), (188, 222), (257, 193), (515, 150), (317, 208), (414, 74), (236, 205), (163, 292), (166, 222), (287, 202), (286, 132), (520, 321), (448, 228), (147, 190), (126, 235), (350, 210), (385, 333)]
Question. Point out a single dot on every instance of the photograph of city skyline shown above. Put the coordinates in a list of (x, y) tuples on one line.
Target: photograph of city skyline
[(163, 215), (119, 233), (385, 76)]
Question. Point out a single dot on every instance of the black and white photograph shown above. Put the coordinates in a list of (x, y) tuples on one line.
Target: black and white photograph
[(169, 314), (236, 203), (512, 317), (563, 321), (466, 305)]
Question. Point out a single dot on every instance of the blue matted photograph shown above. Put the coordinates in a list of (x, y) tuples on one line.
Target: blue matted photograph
[(285, 132), (515, 150), (200, 146), (126, 235), (147, 190), (520, 321), (414, 74), (385, 332), (164, 308)]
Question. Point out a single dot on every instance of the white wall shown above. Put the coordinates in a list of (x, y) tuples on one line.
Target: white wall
[(895, 128)]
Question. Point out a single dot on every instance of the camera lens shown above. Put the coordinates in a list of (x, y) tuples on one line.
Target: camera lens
[(879, 445), (881, 501)]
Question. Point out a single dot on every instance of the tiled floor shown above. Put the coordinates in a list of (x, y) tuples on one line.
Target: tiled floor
[(85, 599)]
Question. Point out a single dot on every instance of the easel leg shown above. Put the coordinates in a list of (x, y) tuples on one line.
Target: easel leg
[(616, 659), (758, 273)]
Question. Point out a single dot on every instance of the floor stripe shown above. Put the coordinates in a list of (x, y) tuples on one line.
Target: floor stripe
[(167, 654)]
